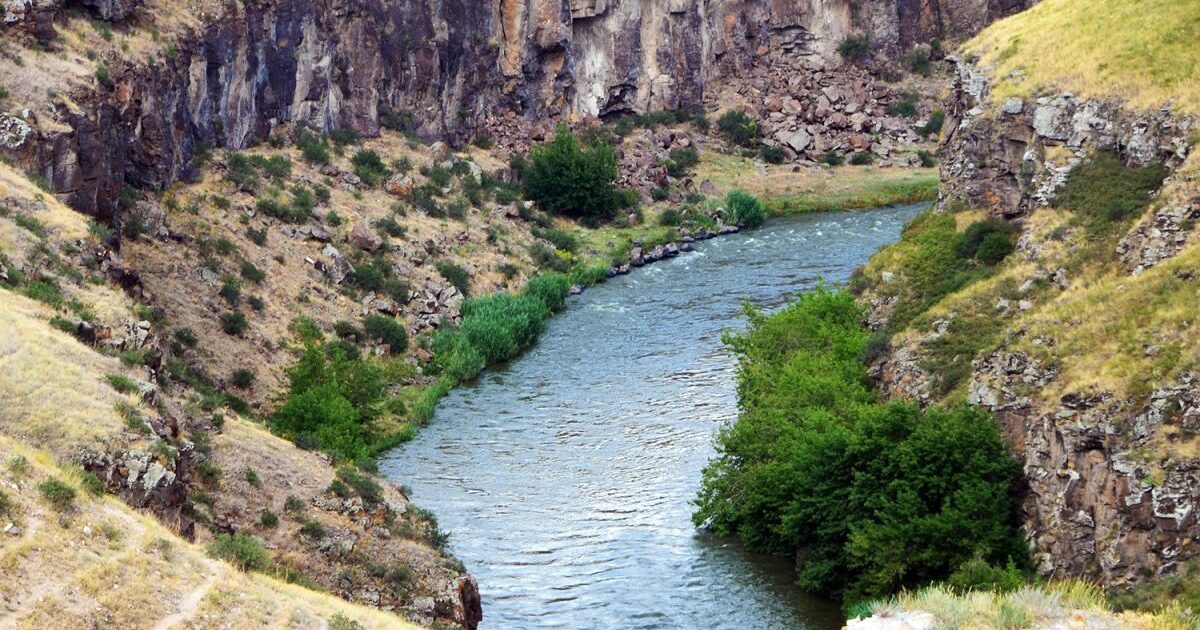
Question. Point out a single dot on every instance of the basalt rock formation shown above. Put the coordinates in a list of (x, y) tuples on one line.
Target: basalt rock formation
[(236, 70)]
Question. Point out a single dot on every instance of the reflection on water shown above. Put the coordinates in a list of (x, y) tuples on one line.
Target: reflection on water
[(566, 478)]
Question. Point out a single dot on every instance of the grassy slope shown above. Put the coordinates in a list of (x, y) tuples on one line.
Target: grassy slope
[(1145, 51), (842, 188), (105, 560)]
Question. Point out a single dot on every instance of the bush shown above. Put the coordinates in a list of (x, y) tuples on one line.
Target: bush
[(832, 158), (976, 575), (233, 322), (103, 75), (313, 530), (994, 248), (243, 551), (241, 378), (681, 160), (773, 154), (933, 126), (878, 495), (59, 495), (906, 106), (738, 128), (362, 485), (926, 158), (369, 167), (974, 236), (122, 383), (313, 148), (455, 275), (862, 158), (551, 289), (567, 179), (561, 239), (659, 194), (918, 62), (454, 356), (267, 518), (744, 209), (670, 218), (386, 330), (855, 47), (331, 400), (1104, 191)]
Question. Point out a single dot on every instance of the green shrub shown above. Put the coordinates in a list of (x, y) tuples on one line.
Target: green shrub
[(878, 495), (670, 217), (832, 158), (551, 289), (313, 530), (257, 236), (122, 383), (977, 575), (560, 238), (681, 160), (341, 622), (92, 484), (233, 322), (919, 62), (312, 147), (455, 275), (369, 167), (926, 158), (933, 126), (294, 504), (994, 248), (659, 194), (331, 401), (362, 485), (568, 179), (386, 330), (231, 291), (862, 158), (242, 378), (1104, 191), (744, 209), (59, 495), (738, 128), (103, 75), (243, 551), (773, 154), (186, 337), (973, 238), (854, 47), (267, 518)]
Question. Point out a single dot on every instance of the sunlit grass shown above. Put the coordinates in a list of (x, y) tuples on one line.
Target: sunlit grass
[(1144, 52)]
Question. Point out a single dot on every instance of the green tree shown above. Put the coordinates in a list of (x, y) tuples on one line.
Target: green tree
[(569, 179)]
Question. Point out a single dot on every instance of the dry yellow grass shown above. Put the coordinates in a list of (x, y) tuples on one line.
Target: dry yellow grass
[(1144, 52), (1067, 605), (104, 563)]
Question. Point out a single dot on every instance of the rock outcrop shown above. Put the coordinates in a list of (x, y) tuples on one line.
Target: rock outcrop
[(437, 69)]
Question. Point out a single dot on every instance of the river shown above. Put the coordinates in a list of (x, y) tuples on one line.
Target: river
[(565, 478)]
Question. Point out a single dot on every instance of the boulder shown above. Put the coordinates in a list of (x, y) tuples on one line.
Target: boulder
[(399, 185), (364, 238)]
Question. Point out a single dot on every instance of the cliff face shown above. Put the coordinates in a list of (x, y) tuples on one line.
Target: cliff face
[(234, 71), (1090, 375)]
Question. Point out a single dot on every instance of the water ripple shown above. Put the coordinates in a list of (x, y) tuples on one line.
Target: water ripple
[(566, 478)]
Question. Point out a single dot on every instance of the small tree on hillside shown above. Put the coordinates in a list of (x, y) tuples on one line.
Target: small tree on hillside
[(568, 179)]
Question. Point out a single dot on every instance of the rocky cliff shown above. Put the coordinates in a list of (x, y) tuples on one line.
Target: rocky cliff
[(226, 73), (1074, 342)]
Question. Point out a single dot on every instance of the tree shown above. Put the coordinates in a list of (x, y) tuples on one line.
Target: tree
[(568, 179)]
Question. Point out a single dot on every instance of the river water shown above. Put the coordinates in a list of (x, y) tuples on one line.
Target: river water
[(566, 477)]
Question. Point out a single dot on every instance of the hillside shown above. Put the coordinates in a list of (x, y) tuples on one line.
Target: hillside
[(1081, 340)]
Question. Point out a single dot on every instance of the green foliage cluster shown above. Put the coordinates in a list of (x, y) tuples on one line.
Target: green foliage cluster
[(738, 128), (1106, 192), (855, 47), (650, 120), (456, 275), (934, 125), (314, 148), (906, 106), (571, 179), (773, 154), (242, 550), (246, 171), (331, 402), (58, 494), (879, 496), (862, 158), (744, 209), (681, 160), (989, 241), (386, 330), (369, 167)]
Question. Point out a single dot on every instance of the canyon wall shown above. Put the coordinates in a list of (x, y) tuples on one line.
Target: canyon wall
[(241, 69)]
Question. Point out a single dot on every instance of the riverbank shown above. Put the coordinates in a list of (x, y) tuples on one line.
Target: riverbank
[(588, 255)]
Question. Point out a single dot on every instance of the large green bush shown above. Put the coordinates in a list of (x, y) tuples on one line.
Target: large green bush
[(1105, 191), (744, 209), (550, 289), (243, 551), (387, 330), (501, 325), (569, 179), (870, 496), (738, 127), (331, 402)]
